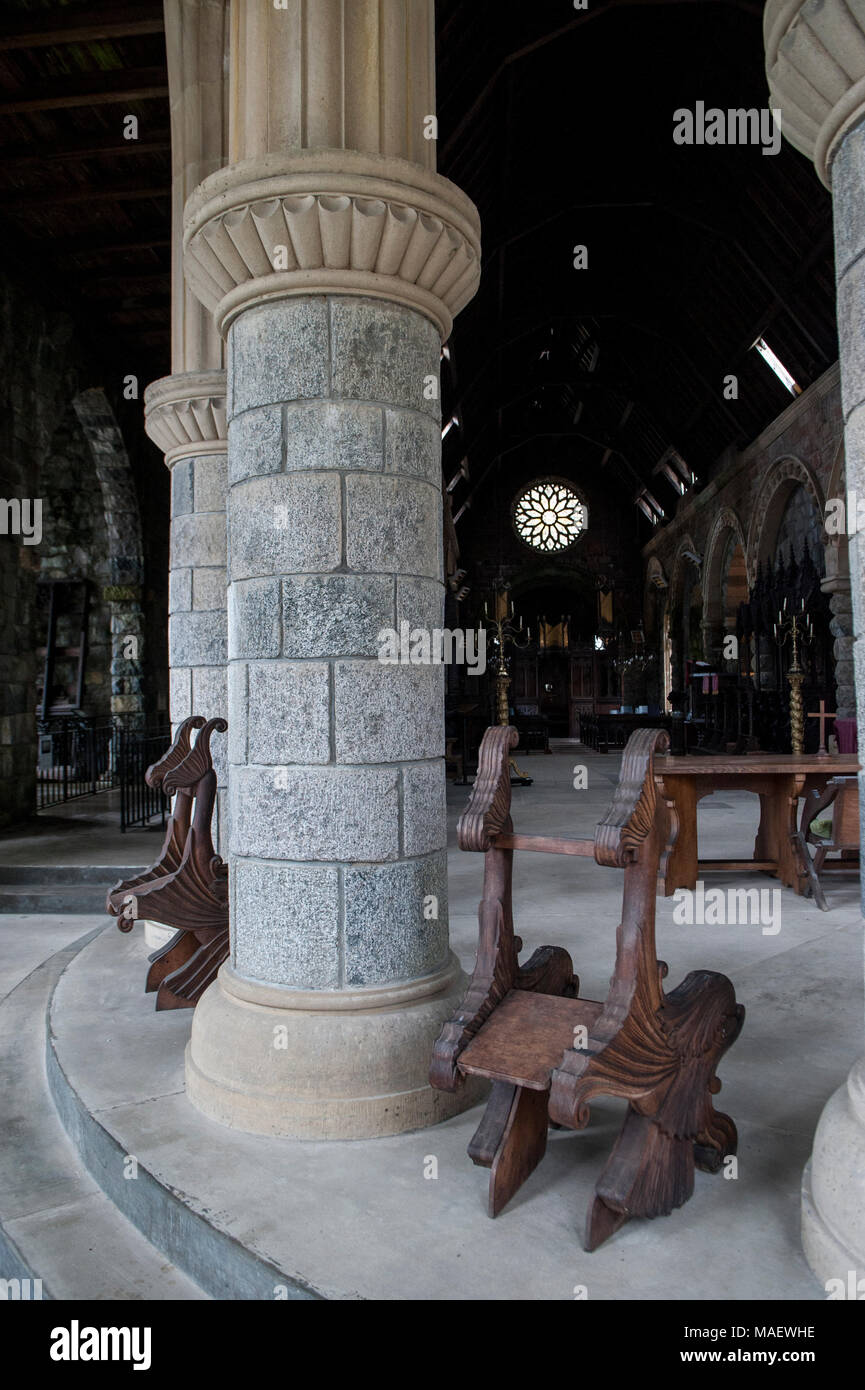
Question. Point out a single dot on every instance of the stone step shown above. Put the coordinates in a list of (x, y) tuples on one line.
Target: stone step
[(47, 900), (66, 874), (56, 1224), (194, 1235), (53, 888)]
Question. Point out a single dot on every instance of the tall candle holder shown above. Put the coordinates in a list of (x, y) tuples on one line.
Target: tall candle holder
[(794, 628), (505, 632)]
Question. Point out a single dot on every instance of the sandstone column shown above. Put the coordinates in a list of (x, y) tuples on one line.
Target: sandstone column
[(185, 413), (333, 258), (815, 60)]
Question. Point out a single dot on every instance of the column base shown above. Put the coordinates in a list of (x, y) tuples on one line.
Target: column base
[(833, 1185), (320, 1065)]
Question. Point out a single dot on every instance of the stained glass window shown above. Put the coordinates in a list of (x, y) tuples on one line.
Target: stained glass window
[(549, 516)]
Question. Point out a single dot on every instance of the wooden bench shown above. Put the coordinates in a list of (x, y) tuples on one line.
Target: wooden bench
[(549, 1052), (187, 886)]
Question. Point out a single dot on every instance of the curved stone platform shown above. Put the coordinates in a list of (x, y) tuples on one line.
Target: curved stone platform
[(56, 1225), (253, 1217)]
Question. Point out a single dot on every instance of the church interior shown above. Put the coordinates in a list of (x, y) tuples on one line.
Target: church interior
[(527, 337)]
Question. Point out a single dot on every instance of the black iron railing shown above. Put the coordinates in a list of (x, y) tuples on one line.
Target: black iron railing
[(79, 757), (139, 803), (75, 758)]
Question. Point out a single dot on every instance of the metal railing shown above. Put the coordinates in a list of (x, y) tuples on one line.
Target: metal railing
[(139, 803), (79, 757), (75, 758)]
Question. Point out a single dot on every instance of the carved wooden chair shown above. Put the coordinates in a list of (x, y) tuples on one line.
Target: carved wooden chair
[(187, 886), (842, 794), (549, 1052)]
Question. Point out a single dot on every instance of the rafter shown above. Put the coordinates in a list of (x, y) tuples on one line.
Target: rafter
[(73, 151), (75, 25), (85, 193), (90, 89)]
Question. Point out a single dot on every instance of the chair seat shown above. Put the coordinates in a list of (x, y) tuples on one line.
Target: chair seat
[(526, 1038)]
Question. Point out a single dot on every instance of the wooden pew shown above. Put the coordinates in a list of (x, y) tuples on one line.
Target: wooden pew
[(549, 1052), (187, 886)]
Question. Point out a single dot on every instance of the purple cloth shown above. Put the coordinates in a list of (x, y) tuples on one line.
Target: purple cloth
[(845, 730)]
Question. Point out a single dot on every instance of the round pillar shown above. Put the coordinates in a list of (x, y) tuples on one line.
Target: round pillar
[(185, 416), (185, 413), (815, 62), (334, 274)]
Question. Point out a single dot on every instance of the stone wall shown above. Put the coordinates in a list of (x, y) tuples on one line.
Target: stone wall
[(46, 362), (772, 497)]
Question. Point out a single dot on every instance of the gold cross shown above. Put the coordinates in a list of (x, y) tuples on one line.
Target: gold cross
[(822, 714)]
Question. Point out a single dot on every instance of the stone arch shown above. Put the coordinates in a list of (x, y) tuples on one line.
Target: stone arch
[(125, 551), (679, 570), (74, 552), (726, 525), (726, 531), (779, 481), (686, 558)]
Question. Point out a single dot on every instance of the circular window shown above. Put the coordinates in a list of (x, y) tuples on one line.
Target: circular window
[(549, 515)]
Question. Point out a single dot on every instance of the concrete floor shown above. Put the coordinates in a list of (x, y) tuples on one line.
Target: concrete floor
[(359, 1219), (84, 831)]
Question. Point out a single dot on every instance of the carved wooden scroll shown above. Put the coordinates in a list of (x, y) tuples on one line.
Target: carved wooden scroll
[(549, 1052), (187, 887)]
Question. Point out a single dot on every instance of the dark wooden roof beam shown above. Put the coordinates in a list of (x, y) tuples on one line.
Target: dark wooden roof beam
[(84, 147), (76, 25), (91, 89), (84, 193)]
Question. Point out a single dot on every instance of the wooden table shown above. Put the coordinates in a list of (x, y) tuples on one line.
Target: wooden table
[(779, 779)]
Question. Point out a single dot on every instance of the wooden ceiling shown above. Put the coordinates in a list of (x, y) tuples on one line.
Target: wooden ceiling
[(86, 211), (558, 124)]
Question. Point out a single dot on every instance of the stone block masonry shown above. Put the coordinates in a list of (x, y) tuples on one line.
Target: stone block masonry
[(336, 761)]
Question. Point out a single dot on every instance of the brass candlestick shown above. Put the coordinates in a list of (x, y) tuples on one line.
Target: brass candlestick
[(505, 632), (796, 628)]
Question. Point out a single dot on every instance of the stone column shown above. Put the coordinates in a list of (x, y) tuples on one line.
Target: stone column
[(837, 585), (334, 259), (815, 60), (185, 413)]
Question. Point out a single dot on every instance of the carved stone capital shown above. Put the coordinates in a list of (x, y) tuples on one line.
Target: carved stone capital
[(815, 63), (331, 222), (185, 414)]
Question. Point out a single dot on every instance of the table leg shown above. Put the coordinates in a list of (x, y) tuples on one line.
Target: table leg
[(679, 864), (778, 807)]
